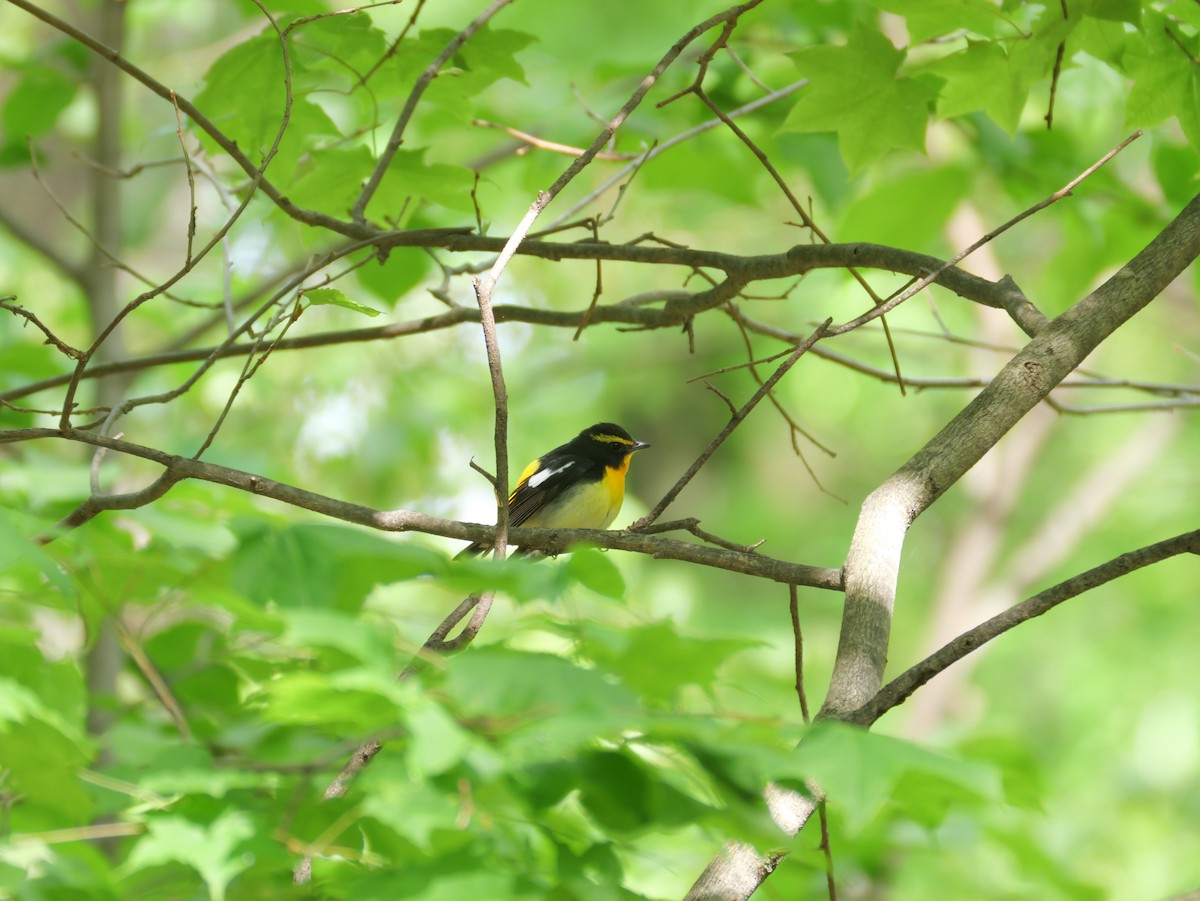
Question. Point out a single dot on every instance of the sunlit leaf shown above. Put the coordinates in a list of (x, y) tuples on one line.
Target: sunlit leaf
[(334, 297), (855, 90)]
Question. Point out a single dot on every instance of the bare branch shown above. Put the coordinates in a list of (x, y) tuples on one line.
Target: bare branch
[(896, 691), (550, 540), (191, 179), (798, 643), (924, 282), (431, 72), (553, 146), (735, 873), (195, 115), (97, 504), (666, 145), (873, 563), (692, 525), (32, 318), (159, 685), (735, 420), (676, 310)]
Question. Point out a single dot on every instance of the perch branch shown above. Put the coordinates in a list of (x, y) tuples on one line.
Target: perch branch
[(550, 540)]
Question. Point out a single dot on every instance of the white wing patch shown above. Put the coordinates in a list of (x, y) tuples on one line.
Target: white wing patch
[(538, 477)]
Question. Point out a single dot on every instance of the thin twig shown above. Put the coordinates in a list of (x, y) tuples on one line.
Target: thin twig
[(697, 89), (249, 368), (830, 882), (798, 644), (357, 212), (1192, 58), (929, 279), (196, 116), (1058, 60), (692, 525), (896, 691), (105, 252), (395, 45), (191, 179), (677, 309), (31, 317), (159, 685), (721, 394), (596, 291), (357, 763), (733, 423), (552, 146), (680, 138), (97, 504), (793, 425)]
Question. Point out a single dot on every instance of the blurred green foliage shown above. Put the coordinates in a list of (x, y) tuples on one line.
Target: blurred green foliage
[(617, 718)]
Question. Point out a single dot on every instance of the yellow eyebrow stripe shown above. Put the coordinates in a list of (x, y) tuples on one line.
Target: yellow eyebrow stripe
[(613, 439)]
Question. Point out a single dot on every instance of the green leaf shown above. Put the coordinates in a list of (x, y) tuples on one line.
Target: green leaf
[(540, 706), (392, 279), (489, 56), (41, 753), (520, 577), (415, 810), (981, 77), (888, 213), (334, 297), (331, 178), (17, 703), (596, 571), (210, 850), (1099, 38), (860, 770), (1116, 10), (409, 176), (320, 565), (1165, 82), (436, 742), (18, 551), (496, 49), (624, 793), (927, 19), (344, 46), (214, 781), (315, 628), (1177, 168), (243, 93), (356, 699), (854, 90), (244, 96), (615, 789), (37, 98), (655, 660)]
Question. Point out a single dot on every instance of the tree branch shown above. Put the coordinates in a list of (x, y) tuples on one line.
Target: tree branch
[(357, 212), (734, 421), (898, 690), (926, 280), (550, 540), (873, 563), (311, 217), (1003, 295)]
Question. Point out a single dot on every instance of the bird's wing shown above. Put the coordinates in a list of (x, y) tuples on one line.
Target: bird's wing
[(540, 484)]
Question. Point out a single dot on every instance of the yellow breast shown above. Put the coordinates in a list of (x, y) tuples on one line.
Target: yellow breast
[(593, 505)]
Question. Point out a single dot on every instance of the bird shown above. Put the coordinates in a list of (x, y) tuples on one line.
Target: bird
[(578, 485)]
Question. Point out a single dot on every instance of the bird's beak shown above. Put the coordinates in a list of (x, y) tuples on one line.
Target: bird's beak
[(640, 445)]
